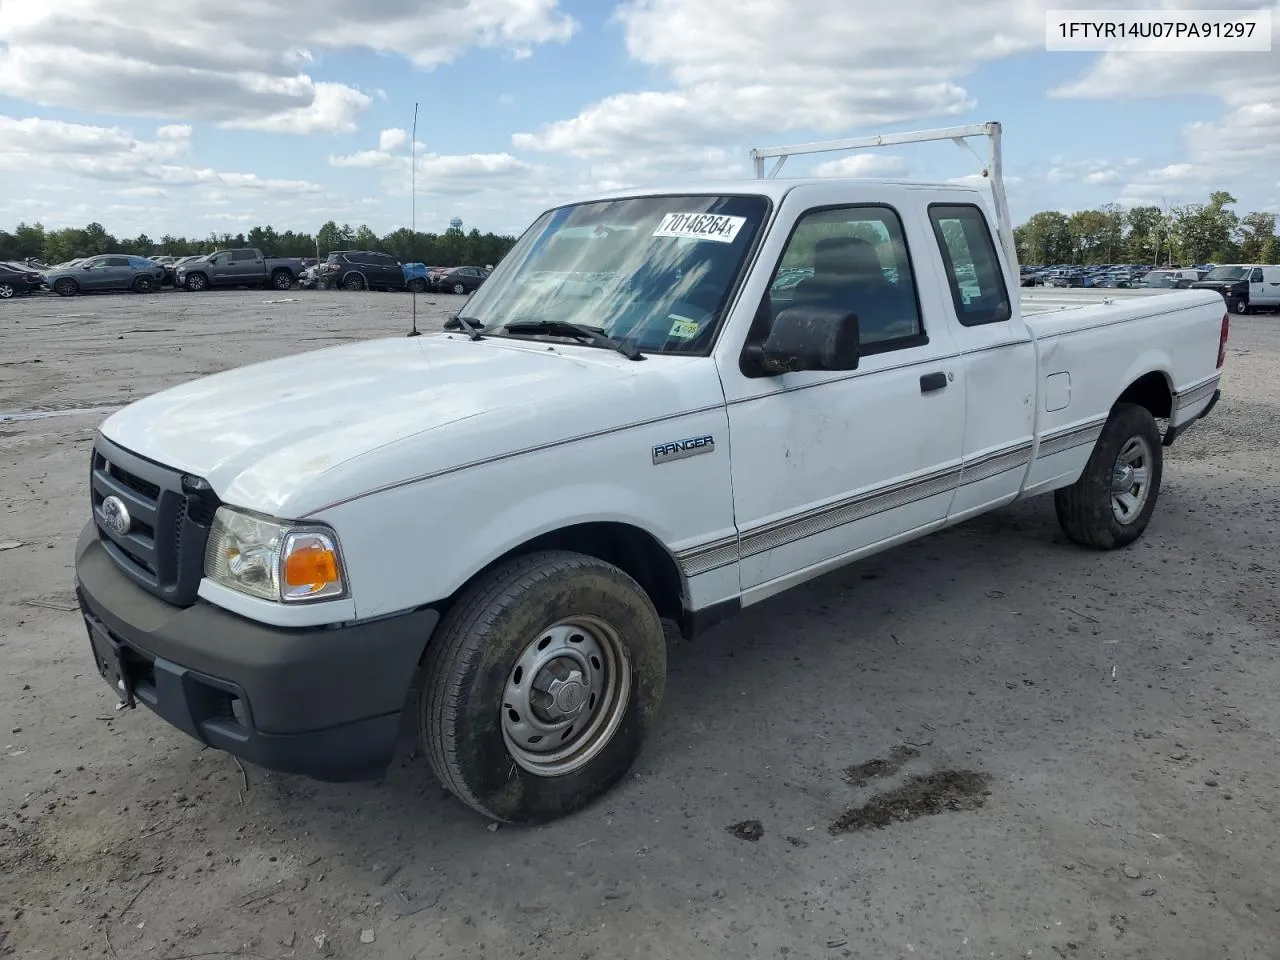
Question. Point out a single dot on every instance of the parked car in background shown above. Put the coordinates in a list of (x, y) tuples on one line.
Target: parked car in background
[(112, 271), (17, 279), (1175, 279), (1244, 286), (362, 270), (244, 267), (459, 279)]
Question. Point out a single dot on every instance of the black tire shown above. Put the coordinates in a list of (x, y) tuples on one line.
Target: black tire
[(196, 282), (144, 284), (1085, 509), (1241, 307), (282, 280), (459, 288), (8, 291), (66, 287), (470, 661), (353, 281), (417, 285)]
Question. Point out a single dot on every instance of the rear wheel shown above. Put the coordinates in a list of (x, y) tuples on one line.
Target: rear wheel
[(459, 288), (282, 280), (417, 285), (540, 686), (1112, 502), (66, 287)]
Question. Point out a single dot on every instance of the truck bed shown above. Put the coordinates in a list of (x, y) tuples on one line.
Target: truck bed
[(1036, 300)]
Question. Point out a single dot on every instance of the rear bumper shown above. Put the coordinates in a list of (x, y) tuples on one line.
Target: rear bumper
[(1173, 433), (325, 702)]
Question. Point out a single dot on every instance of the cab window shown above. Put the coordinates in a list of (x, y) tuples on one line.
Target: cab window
[(972, 267), (852, 259)]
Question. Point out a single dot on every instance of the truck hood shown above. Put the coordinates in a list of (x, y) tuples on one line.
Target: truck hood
[(259, 434)]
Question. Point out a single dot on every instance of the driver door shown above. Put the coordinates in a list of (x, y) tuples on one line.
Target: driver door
[(829, 465)]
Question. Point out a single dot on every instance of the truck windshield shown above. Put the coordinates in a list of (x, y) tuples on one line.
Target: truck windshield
[(1227, 273), (654, 271)]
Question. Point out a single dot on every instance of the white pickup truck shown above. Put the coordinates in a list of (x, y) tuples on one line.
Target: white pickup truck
[(482, 529)]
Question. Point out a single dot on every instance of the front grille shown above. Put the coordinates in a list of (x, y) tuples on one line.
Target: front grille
[(163, 548)]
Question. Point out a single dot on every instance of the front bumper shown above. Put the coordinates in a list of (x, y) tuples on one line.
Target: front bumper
[(325, 702)]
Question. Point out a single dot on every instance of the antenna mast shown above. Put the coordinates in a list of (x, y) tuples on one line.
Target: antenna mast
[(413, 215)]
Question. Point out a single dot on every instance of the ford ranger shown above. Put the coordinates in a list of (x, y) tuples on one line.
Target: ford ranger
[(482, 529)]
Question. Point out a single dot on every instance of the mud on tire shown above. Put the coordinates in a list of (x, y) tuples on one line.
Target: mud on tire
[(482, 675), (1112, 502)]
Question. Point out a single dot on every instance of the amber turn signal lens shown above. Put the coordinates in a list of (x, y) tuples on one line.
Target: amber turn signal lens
[(310, 566)]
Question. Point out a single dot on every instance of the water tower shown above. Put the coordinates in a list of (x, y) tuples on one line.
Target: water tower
[(455, 223)]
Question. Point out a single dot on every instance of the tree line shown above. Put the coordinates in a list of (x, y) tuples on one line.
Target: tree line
[(453, 248), (1194, 233)]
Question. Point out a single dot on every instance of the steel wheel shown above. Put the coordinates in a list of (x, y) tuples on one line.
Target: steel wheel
[(1130, 480), (566, 696)]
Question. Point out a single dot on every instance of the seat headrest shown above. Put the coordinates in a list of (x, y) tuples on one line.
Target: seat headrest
[(846, 257)]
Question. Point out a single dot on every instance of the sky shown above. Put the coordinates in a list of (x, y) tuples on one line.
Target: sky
[(191, 117)]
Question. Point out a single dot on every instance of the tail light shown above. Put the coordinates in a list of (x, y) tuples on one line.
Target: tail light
[(1222, 340)]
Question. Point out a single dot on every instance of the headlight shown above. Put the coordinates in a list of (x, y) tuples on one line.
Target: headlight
[(273, 560)]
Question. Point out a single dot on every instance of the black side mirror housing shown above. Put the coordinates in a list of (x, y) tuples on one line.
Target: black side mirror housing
[(809, 338)]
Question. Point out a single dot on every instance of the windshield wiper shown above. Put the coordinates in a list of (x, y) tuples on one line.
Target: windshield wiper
[(563, 328), (459, 322)]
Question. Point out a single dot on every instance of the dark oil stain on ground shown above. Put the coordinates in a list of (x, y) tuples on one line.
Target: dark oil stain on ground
[(747, 830), (921, 796), (859, 775)]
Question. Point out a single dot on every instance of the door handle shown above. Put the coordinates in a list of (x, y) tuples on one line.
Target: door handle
[(930, 382)]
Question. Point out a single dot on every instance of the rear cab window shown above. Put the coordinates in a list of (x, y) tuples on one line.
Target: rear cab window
[(971, 264)]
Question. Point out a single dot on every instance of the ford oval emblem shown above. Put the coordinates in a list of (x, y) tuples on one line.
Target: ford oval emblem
[(117, 515)]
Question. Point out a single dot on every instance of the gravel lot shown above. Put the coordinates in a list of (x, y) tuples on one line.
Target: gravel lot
[(1097, 734)]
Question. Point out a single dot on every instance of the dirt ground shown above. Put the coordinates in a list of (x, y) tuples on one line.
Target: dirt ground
[(989, 743)]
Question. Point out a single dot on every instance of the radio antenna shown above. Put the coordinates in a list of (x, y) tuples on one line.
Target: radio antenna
[(413, 215)]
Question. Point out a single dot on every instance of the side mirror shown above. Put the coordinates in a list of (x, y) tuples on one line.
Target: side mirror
[(809, 338), (87, 266)]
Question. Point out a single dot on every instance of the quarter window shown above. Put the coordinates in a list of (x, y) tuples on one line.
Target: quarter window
[(973, 269), (853, 259)]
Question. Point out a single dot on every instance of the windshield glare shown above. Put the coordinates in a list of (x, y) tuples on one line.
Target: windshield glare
[(657, 271), (1227, 273)]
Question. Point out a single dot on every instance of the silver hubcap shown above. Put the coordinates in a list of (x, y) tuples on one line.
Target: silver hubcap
[(1131, 480), (566, 696)]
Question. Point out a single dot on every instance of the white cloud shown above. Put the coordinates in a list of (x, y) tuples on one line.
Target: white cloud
[(763, 68), (1238, 149), (113, 154), (226, 62), (864, 165), (437, 173), (392, 139)]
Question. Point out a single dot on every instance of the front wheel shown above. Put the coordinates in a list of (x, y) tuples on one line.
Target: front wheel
[(540, 686), (197, 282), (66, 287), (1241, 307), (1112, 502), (143, 284), (8, 291)]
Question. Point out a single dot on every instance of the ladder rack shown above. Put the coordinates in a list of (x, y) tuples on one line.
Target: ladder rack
[(960, 136)]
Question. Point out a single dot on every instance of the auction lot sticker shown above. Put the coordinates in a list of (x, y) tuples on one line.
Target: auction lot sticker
[(700, 226)]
